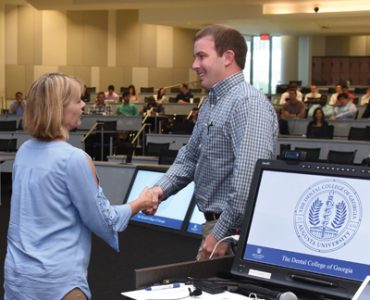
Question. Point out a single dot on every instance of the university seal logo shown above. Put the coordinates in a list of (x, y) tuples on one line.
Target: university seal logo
[(327, 215)]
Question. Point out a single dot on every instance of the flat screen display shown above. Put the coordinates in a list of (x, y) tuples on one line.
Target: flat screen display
[(196, 221), (317, 225), (307, 227), (171, 213)]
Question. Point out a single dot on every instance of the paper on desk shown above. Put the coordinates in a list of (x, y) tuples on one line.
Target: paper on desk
[(182, 292)]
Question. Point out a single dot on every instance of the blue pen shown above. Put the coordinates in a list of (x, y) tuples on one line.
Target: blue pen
[(164, 286)]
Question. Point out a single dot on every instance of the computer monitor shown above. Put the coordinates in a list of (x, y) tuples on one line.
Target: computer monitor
[(363, 293), (195, 222), (307, 227), (172, 212)]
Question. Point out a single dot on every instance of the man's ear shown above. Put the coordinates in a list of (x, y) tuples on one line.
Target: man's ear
[(229, 57)]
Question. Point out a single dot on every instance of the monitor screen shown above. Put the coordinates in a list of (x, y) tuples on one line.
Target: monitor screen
[(306, 224), (196, 221), (172, 212), (363, 293)]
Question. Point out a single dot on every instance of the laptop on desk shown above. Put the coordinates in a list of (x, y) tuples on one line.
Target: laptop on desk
[(306, 228)]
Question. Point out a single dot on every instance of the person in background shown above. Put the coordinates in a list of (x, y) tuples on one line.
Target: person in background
[(100, 108), (161, 97), (185, 94), (313, 93), (134, 95), (110, 94), (189, 123), (345, 110), (283, 124), (285, 95), (334, 97), (326, 108), (151, 108), (318, 120), (236, 126), (57, 202), (17, 106), (86, 95), (345, 90), (293, 108), (365, 98), (126, 108)]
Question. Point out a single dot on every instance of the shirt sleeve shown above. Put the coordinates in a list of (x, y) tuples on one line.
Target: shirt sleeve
[(96, 212), (181, 173), (254, 130)]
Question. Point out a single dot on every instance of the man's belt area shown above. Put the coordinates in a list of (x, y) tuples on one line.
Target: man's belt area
[(211, 216)]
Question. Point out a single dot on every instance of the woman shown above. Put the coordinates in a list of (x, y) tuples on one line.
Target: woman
[(318, 124), (57, 201), (161, 96), (134, 96)]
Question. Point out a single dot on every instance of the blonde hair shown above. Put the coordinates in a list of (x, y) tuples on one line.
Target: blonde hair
[(46, 100)]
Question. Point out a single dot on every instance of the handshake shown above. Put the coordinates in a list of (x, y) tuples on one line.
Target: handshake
[(148, 201)]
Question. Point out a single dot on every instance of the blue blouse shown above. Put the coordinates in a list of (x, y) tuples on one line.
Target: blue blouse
[(55, 206)]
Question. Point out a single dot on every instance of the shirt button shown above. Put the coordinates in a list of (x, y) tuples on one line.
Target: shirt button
[(212, 105), (200, 145)]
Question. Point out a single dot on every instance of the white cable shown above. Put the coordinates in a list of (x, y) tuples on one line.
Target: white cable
[(235, 237)]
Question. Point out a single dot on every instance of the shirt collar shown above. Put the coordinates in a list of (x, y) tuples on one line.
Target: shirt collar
[(221, 88)]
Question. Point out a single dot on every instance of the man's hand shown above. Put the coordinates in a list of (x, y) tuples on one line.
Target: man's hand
[(157, 194), (146, 200), (208, 245)]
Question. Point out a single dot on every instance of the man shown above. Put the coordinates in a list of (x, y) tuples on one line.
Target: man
[(293, 108), (126, 109), (236, 126), (185, 94), (110, 94), (345, 110), (285, 95), (17, 106)]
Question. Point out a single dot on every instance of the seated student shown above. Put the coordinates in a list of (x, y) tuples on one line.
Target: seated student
[(285, 95), (345, 90), (111, 94), (126, 108), (100, 108), (134, 96), (365, 98), (345, 110), (185, 94), (313, 94), (334, 97), (293, 108), (318, 121), (151, 108), (17, 106), (161, 97), (283, 124), (189, 123), (366, 113), (327, 109)]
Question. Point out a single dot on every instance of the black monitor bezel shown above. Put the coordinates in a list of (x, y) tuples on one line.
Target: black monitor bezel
[(342, 288), (162, 169)]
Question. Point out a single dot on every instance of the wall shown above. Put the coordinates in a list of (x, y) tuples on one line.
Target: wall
[(100, 47), (298, 52)]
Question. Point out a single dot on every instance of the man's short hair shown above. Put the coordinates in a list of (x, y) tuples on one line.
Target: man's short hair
[(111, 87), (342, 95), (46, 100), (226, 38), (125, 94)]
